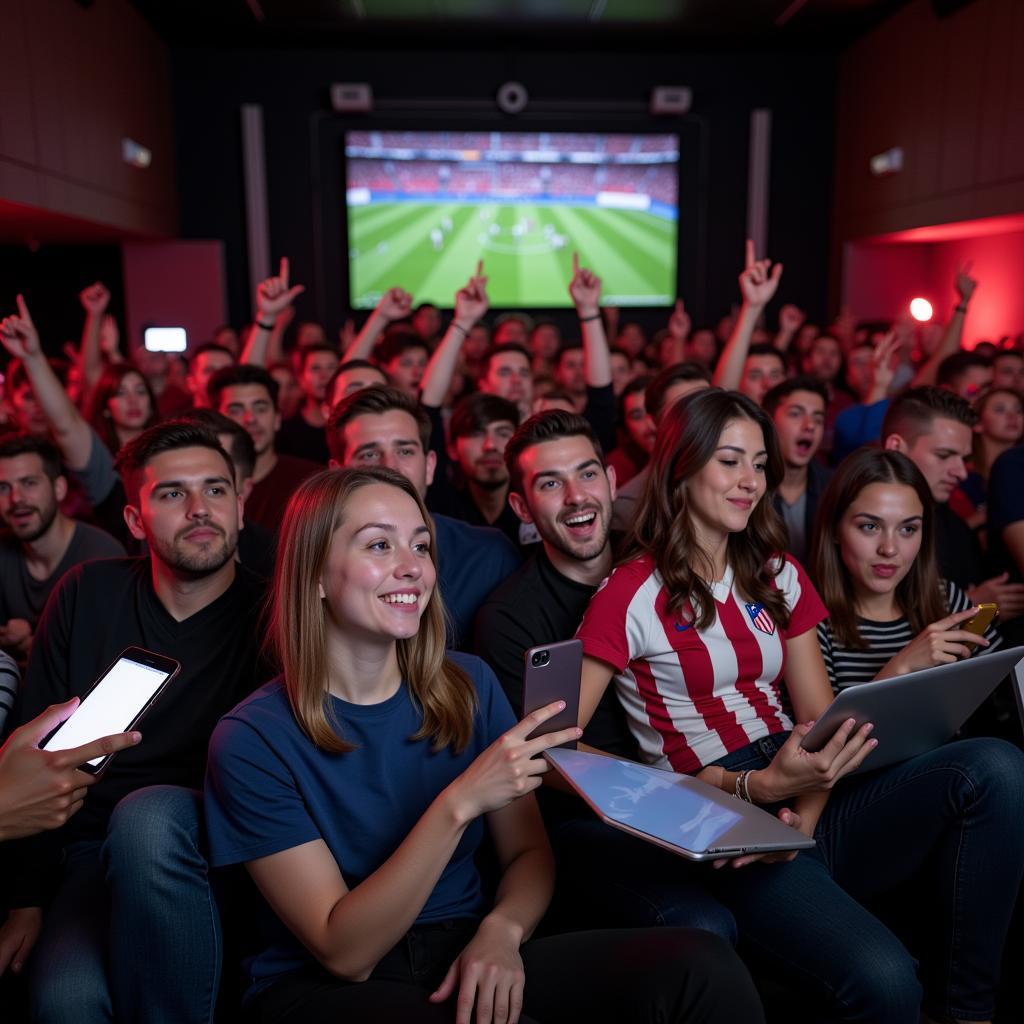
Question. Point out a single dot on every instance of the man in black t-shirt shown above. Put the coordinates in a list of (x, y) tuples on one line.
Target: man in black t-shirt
[(43, 543), (933, 427), (131, 930), (248, 395), (559, 485)]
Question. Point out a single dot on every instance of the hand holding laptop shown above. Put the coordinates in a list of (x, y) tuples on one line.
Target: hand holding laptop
[(787, 817), (794, 770)]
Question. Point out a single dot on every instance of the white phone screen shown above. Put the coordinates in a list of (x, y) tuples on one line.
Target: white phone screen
[(111, 706), (165, 339)]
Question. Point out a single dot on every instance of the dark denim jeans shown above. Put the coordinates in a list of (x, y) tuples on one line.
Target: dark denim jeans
[(133, 933), (951, 822)]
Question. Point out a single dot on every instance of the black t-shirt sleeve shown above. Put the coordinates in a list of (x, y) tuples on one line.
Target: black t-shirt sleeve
[(500, 640)]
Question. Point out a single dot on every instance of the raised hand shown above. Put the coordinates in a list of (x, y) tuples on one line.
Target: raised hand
[(109, 335), (791, 318), (395, 304), (679, 322), (585, 289), (759, 280), (18, 334), (881, 364), (94, 299), (965, 284), (509, 767), (471, 302), (273, 295)]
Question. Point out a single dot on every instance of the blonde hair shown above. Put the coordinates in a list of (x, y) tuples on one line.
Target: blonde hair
[(298, 629)]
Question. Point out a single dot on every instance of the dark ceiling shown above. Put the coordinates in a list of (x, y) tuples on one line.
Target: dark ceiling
[(498, 23)]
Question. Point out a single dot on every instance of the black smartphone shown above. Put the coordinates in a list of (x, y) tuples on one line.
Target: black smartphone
[(115, 702), (553, 673)]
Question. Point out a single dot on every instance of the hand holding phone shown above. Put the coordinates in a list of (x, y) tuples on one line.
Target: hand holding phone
[(39, 789), (982, 620), (115, 703), (553, 673)]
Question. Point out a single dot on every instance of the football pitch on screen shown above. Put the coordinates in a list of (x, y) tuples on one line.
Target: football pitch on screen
[(431, 249)]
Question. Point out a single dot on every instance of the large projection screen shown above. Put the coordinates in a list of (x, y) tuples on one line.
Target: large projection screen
[(423, 207)]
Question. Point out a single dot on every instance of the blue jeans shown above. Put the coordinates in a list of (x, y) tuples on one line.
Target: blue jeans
[(133, 932), (951, 821)]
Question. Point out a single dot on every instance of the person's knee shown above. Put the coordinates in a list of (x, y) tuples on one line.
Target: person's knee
[(993, 766), (880, 986), (152, 824)]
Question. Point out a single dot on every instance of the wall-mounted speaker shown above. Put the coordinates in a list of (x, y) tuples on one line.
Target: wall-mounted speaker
[(352, 97), (671, 100)]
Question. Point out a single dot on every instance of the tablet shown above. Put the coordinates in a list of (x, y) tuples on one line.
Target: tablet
[(916, 712), (676, 812)]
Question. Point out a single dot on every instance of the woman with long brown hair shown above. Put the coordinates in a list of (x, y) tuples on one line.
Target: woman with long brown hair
[(874, 553), (122, 406), (700, 626), (354, 789)]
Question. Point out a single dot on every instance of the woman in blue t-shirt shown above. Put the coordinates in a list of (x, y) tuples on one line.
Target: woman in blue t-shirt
[(353, 790)]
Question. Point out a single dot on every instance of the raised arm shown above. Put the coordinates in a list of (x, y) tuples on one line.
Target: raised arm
[(585, 290), (395, 304), (70, 431), (954, 332), (471, 304), (95, 300), (273, 297), (791, 319), (349, 930), (758, 284), (679, 330), (881, 368)]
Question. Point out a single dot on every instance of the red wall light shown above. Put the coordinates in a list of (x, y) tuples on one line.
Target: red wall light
[(921, 310)]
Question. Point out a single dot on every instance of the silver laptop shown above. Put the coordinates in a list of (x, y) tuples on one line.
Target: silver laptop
[(681, 814), (916, 712)]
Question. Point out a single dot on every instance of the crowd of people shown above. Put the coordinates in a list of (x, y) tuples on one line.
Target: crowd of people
[(349, 548)]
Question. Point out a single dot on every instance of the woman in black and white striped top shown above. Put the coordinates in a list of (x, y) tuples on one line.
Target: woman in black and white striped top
[(874, 558)]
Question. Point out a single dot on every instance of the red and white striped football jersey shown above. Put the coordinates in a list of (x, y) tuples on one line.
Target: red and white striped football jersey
[(693, 696)]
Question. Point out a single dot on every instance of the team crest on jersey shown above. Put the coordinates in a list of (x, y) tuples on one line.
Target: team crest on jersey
[(760, 618)]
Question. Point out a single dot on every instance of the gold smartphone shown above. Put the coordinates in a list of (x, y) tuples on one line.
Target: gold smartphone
[(982, 620)]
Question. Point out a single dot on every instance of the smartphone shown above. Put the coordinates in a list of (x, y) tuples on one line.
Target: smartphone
[(553, 673), (164, 339), (115, 702), (979, 622)]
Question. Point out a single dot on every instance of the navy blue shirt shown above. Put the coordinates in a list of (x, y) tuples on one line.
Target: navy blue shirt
[(268, 789), (471, 562), (1005, 507)]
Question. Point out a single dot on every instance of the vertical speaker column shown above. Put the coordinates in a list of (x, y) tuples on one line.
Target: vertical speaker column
[(254, 171), (759, 179)]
